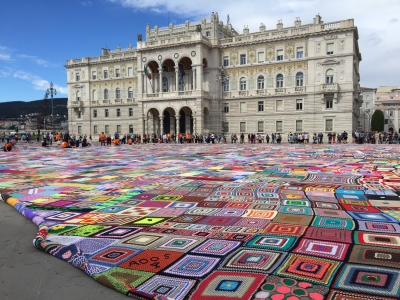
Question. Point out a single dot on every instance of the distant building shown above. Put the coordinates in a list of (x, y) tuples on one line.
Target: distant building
[(300, 78), (388, 100), (367, 108)]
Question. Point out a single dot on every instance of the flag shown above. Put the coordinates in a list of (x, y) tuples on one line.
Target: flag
[(146, 73)]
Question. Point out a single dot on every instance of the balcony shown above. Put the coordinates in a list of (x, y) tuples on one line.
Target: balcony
[(95, 102), (300, 89), (279, 91), (185, 93), (330, 87), (77, 104), (153, 95), (106, 101), (243, 93), (118, 101), (261, 92)]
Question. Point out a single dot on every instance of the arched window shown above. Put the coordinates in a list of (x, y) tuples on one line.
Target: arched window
[(78, 96), (165, 86), (260, 82), (94, 95), (105, 94), (329, 76), (130, 93), (117, 93), (226, 86), (299, 79), (242, 84), (279, 80)]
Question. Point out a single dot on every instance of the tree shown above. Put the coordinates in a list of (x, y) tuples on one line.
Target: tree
[(377, 121)]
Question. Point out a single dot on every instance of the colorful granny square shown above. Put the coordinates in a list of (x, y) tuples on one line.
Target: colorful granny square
[(329, 222), (228, 286), (63, 216), (253, 260), (120, 232), (193, 266), (327, 249), (216, 247), (122, 280), (113, 255), (185, 205), (187, 219), (219, 221), (377, 239), (252, 222), (343, 295), (379, 226), (293, 219), (386, 257), (229, 212), (180, 244), (375, 217), (274, 242), (85, 231), (328, 234), (169, 287), (144, 240), (369, 279), (263, 214), (151, 260), (284, 229), (297, 210), (288, 288), (149, 221), (331, 213), (310, 269), (326, 205)]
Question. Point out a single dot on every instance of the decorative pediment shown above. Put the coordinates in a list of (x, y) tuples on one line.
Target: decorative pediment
[(330, 61)]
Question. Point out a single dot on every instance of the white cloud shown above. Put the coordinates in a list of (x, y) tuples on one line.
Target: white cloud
[(38, 83), (377, 23), (85, 3), (37, 60), (5, 54)]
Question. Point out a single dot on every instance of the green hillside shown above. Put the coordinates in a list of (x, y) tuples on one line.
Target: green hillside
[(14, 109)]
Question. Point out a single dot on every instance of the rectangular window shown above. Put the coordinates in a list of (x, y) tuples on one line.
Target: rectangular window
[(79, 129), (261, 57), (226, 61), (94, 75), (130, 128), (207, 33), (94, 113), (279, 105), (105, 74), (118, 112), (279, 55), (299, 104), (391, 113), (226, 108), (329, 125), (226, 86), (242, 59), (130, 71), (117, 74), (131, 112), (95, 129), (300, 52), (242, 127), (243, 107), (107, 129), (260, 126), (79, 115), (279, 126), (119, 128), (226, 127), (260, 105), (78, 76), (329, 102), (106, 113), (366, 104), (329, 48), (299, 125)]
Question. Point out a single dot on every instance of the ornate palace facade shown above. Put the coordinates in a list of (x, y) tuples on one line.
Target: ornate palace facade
[(302, 78)]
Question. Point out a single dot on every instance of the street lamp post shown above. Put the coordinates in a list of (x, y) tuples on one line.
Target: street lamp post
[(52, 91), (367, 111), (224, 79)]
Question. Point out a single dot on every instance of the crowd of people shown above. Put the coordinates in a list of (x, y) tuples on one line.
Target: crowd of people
[(82, 140)]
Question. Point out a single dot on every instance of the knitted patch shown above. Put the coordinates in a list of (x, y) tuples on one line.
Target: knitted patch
[(273, 242), (386, 257), (216, 247), (326, 249), (329, 222), (193, 266)]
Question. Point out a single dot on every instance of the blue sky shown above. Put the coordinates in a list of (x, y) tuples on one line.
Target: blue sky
[(38, 36)]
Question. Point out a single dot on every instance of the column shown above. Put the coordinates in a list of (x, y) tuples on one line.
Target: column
[(194, 125), (199, 76), (187, 124), (161, 125), (194, 71), (160, 79), (144, 125), (177, 125), (177, 80), (171, 125)]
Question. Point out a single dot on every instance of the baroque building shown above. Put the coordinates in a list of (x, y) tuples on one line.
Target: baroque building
[(301, 78)]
